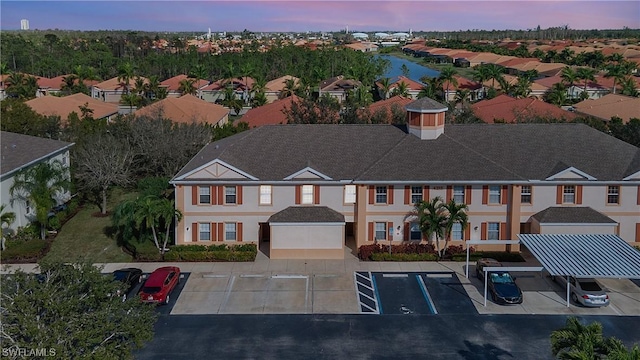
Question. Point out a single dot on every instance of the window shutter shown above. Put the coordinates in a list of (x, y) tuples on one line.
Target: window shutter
[(637, 232), (390, 226), (316, 194), (559, 194), (214, 195), (221, 195), (504, 194), (372, 195), (220, 231), (239, 193), (239, 230), (407, 231), (449, 195), (371, 233), (214, 231), (194, 195), (467, 195), (194, 232), (638, 200), (407, 195), (579, 194), (503, 231), (298, 189), (425, 193), (485, 194), (467, 232), (483, 231), (390, 194)]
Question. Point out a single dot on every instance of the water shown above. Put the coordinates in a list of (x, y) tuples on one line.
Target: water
[(416, 71)]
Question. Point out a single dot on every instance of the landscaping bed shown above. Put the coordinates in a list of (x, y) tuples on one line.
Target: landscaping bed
[(146, 251), (426, 252)]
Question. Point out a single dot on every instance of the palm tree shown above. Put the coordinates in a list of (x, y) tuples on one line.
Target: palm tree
[(586, 74), (40, 185), (629, 87), (126, 72), (147, 215), (363, 96), (187, 86), (522, 88), (495, 73), (615, 58), (447, 75), (131, 100), (167, 212), (6, 218), (385, 83), (455, 214), (481, 74), (577, 341), (288, 89), (247, 70), (616, 72), (231, 101), (426, 91), (462, 95), (557, 95), (431, 219), (401, 89), (69, 83)]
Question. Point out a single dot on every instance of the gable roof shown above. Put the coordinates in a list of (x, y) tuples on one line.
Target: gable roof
[(278, 84), (269, 114), (508, 109), (57, 82), (173, 84), (412, 85), (186, 109), (238, 84), (339, 83), (463, 153), (65, 105), (571, 215), (114, 84), (388, 104), (20, 151), (610, 105)]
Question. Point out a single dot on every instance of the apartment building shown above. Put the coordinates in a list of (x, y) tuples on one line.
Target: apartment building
[(307, 188)]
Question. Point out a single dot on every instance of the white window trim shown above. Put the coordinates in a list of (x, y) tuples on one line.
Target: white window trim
[(462, 194), (200, 194), (490, 231), (416, 194), (264, 194), (375, 230), (349, 196), (568, 197), (616, 194), (200, 231), (235, 194), (493, 192), (235, 232), (306, 194), (386, 195)]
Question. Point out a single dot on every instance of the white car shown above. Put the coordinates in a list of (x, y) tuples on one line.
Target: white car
[(586, 292)]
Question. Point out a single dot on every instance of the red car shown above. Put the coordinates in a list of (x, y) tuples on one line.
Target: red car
[(160, 284)]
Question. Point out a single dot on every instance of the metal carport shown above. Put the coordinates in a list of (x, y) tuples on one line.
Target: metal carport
[(584, 255)]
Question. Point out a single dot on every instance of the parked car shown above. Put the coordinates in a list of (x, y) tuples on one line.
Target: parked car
[(500, 285), (485, 262), (585, 292), (130, 277), (159, 285)]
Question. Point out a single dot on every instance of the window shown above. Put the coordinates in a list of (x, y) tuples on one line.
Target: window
[(416, 194), (229, 194), (494, 194), (568, 194), (416, 234), (349, 194), (456, 232), (230, 231), (307, 194), (265, 194), (28, 207), (205, 194), (205, 231), (458, 194), (381, 231), (64, 161), (381, 194), (493, 231), (525, 194), (613, 195)]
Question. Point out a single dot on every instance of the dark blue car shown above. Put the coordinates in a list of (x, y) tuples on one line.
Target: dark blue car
[(503, 288)]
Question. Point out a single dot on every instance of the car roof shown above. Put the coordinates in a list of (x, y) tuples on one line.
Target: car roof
[(158, 276)]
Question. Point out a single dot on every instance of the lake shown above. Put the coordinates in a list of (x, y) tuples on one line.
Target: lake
[(416, 71)]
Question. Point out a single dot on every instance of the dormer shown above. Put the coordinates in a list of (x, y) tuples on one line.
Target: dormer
[(425, 118)]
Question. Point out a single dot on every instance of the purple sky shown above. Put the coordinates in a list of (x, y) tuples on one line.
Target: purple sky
[(325, 15)]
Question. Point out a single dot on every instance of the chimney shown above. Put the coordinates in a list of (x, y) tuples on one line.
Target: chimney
[(425, 118)]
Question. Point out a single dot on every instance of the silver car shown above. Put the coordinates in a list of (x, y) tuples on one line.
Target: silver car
[(586, 292)]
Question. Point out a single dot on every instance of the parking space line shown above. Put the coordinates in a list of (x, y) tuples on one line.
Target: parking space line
[(368, 303), (375, 290), (227, 293), (395, 275), (425, 292)]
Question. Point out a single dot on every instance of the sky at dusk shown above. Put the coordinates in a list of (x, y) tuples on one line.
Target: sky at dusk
[(328, 15)]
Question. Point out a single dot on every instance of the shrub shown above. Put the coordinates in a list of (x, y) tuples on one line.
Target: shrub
[(146, 251), (365, 251), (196, 255), (171, 256), (24, 250), (404, 257), (218, 247), (55, 223), (246, 247), (185, 248), (458, 249)]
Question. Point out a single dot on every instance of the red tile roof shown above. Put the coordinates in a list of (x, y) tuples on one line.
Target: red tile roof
[(508, 109), (269, 114), (187, 109), (173, 84), (64, 105), (611, 105), (387, 105), (278, 84)]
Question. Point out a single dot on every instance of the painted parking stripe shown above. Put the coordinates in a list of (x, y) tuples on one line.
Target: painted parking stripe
[(425, 292)]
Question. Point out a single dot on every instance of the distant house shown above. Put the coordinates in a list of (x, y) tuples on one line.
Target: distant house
[(474, 88), (338, 87), (187, 109), (413, 86), (273, 88), (63, 106), (388, 106), (505, 109), (112, 90), (461, 62), (269, 114), (610, 105), (20, 152), (364, 46), (173, 85), (214, 92), (54, 86)]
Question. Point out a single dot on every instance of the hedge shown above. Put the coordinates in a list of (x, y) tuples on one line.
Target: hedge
[(498, 255), (403, 257), (24, 250), (146, 251)]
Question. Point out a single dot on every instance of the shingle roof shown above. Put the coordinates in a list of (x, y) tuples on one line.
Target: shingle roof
[(426, 104), (19, 150), (307, 214), (469, 152), (571, 215)]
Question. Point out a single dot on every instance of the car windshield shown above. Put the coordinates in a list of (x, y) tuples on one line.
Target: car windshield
[(501, 278), (589, 285), (120, 276), (150, 289)]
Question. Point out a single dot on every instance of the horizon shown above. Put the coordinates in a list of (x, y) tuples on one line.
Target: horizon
[(318, 16)]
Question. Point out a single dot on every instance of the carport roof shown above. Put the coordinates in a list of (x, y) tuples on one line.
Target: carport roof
[(584, 255), (307, 214)]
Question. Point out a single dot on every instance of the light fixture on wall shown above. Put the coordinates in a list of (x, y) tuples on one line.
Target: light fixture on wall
[(475, 228)]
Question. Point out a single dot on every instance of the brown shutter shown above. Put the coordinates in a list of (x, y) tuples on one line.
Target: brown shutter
[(449, 195), (220, 231), (390, 194), (371, 233), (214, 231), (579, 194), (239, 231), (194, 195), (220, 195), (390, 226), (407, 231), (503, 231), (637, 232), (559, 194), (638, 201), (316, 194), (371, 195), (425, 193), (194, 232), (467, 195), (239, 194), (467, 232), (483, 231), (504, 194), (214, 195), (485, 194), (407, 195), (298, 190)]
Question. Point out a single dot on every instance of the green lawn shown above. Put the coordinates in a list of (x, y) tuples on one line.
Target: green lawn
[(84, 238)]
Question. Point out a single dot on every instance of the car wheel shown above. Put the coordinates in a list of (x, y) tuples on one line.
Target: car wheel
[(166, 300), (124, 297), (574, 298)]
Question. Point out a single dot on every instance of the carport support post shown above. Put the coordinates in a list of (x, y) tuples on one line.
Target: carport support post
[(485, 287), (568, 290), (466, 271)]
